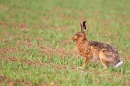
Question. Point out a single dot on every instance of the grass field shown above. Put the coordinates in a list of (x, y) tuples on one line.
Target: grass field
[(36, 47)]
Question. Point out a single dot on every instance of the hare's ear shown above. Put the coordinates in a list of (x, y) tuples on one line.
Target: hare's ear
[(81, 27), (84, 26)]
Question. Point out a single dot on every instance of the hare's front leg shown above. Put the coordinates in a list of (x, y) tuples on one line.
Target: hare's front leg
[(85, 61)]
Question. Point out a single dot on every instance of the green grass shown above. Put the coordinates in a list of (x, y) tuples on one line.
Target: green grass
[(36, 46)]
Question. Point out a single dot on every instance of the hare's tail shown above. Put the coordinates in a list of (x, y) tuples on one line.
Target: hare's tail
[(118, 64)]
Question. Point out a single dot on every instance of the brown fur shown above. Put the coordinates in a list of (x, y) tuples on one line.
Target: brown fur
[(95, 50)]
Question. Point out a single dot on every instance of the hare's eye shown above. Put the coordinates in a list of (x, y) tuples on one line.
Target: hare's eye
[(79, 35)]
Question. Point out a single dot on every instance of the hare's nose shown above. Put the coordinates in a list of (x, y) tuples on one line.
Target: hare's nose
[(75, 37)]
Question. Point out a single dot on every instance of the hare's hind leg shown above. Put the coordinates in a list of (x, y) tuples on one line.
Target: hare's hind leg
[(104, 64), (102, 58)]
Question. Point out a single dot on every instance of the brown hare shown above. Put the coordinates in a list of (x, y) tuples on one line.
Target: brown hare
[(107, 54)]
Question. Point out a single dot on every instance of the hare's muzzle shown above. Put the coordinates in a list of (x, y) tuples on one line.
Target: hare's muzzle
[(74, 38)]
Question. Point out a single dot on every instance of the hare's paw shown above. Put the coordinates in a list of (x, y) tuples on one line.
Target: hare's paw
[(105, 68), (80, 67)]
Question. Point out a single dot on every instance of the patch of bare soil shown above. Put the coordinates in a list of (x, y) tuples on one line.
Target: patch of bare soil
[(22, 26), (126, 59), (65, 42), (53, 52), (8, 50), (4, 24), (49, 84), (60, 52), (4, 51), (74, 52), (127, 83), (2, 78), (12, 82)]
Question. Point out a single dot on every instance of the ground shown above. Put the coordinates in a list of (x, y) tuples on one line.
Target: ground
[(36, 47)]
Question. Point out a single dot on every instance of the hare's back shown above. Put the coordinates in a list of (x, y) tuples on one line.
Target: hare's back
[(102, 46)]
